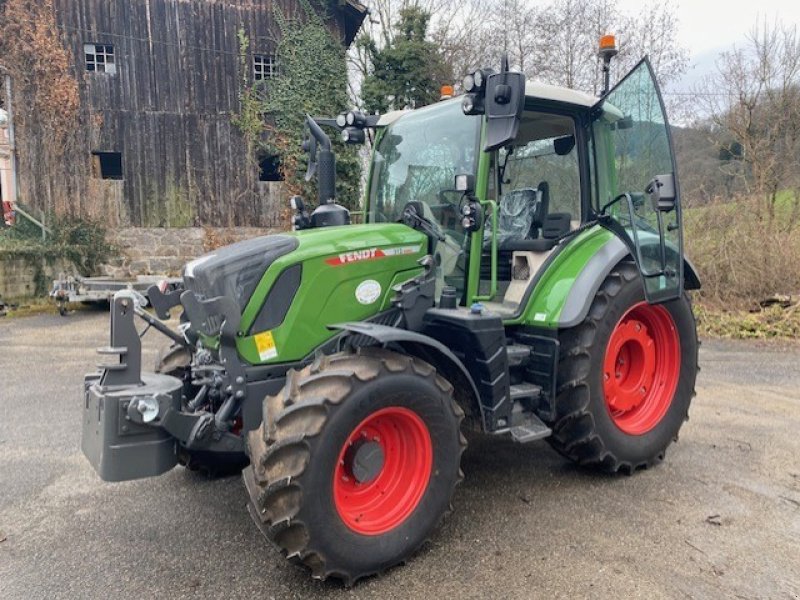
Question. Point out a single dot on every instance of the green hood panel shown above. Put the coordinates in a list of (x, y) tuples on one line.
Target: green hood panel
[(347, 275)]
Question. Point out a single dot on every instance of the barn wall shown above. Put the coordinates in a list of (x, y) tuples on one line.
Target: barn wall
[(168, 109)]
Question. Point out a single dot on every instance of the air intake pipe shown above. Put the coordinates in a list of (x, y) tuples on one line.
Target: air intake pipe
[(323, 161), (326, 163)]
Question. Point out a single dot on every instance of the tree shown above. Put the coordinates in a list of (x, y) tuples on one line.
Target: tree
[(47, 115), (408, 71), (747, 243), (753, 103), (563, 49), (554, 42)]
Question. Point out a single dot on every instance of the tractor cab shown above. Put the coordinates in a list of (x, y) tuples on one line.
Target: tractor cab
[(573, 162)]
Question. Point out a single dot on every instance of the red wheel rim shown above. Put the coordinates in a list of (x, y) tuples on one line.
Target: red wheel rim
[(641, 368), (384, 501)]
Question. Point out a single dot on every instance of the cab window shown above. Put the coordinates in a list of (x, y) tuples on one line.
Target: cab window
[(543, 163)]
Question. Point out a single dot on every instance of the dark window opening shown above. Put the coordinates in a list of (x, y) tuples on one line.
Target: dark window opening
[(107, 165), (100, 58), (269, 168), (265, 66)]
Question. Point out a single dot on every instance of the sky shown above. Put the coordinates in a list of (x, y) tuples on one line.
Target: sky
[(708, 27)]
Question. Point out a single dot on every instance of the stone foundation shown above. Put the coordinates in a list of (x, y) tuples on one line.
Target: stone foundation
[(23, 276), (164, 251)]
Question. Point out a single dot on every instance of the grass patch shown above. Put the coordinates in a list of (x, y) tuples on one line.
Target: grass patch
[(772, 323), (742, 254), (29, 306)]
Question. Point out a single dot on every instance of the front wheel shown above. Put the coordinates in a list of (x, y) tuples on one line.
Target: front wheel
[(626, 377), (355, 462)]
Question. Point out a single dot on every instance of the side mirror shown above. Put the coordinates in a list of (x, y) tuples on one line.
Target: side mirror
[(564, 145), (505, 101), (465, 183), (309, 146), (662, 192)]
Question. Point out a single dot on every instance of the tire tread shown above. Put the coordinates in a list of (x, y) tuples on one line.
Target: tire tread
[(280, 447), (574, 433)]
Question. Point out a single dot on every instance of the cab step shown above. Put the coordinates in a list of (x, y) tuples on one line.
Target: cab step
[(525, 390), (529, 429), (518, 354)]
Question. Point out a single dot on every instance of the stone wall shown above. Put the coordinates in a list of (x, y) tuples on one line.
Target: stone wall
[(164, 251), (23, 276)]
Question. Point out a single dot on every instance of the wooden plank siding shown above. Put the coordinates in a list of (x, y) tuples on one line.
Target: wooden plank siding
[(168, 107)]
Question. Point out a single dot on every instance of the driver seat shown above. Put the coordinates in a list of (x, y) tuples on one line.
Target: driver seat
[(521, 217), (516, 215)]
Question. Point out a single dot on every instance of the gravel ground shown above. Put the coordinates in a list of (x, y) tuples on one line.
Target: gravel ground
[(720, 518)]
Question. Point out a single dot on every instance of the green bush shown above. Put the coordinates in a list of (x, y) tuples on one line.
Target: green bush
[(82, 242)]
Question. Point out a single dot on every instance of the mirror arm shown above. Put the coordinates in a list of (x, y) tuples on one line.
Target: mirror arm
[(608, 205)]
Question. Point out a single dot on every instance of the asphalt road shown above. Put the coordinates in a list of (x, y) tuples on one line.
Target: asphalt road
[(720, 518)]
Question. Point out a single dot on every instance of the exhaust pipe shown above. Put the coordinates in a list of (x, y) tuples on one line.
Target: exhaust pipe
[(328, 213), (326, 164)]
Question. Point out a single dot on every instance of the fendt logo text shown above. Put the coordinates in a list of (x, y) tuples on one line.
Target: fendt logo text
[(369, 254)]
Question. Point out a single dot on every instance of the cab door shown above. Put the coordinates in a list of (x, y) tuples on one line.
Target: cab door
[(638, 195)]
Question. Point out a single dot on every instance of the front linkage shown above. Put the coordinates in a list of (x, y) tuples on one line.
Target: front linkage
[(133, 419)]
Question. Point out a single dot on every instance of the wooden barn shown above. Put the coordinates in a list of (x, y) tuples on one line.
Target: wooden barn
[(159, 81)]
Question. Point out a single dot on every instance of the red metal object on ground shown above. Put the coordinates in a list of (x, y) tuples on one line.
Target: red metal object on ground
[(641, 368), (382, 502)]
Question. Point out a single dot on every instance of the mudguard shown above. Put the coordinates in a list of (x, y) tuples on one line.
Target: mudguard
[(445, 358), (583, 290)]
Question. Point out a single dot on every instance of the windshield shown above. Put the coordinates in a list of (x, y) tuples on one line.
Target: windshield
[(417, 159)]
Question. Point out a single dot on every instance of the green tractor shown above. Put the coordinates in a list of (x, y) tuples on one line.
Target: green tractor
[(519, 272)]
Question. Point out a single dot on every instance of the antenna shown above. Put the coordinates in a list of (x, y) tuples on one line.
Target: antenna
[(505, 30)]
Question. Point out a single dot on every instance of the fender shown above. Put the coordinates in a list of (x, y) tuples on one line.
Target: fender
[(583, 290), (433, 352)]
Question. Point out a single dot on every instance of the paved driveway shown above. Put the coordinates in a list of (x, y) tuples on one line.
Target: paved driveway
[(720, 518)]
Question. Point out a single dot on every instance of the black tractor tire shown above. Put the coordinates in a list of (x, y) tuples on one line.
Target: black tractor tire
[(298, 458), (176, 361), (586, 428)]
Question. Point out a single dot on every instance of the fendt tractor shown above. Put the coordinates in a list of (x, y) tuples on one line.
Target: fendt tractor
[(519, 273)]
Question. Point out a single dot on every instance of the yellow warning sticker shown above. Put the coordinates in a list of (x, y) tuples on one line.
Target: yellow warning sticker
[(265, 344)]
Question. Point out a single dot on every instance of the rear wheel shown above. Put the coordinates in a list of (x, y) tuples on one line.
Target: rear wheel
[(355, 462), (626, 377)]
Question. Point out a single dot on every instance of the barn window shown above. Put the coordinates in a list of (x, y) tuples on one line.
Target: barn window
[(100, 58), (269, 168), (265, 66), (107, 165)]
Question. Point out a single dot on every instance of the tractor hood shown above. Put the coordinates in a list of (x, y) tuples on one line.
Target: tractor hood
[(235, 270)]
